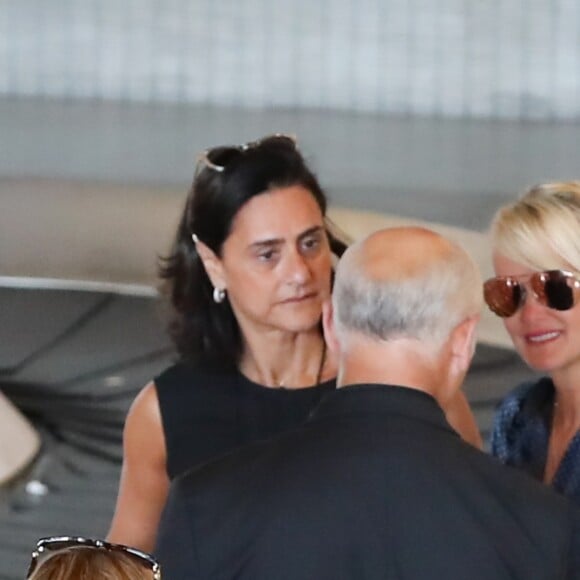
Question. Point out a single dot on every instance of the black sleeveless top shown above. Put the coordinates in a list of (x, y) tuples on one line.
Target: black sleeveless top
[(208, 413)]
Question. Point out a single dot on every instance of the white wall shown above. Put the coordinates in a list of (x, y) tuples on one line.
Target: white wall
[(460, 58)]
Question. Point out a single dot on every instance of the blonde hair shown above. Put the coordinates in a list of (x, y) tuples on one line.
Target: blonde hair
[(541, 229), (88, 563)]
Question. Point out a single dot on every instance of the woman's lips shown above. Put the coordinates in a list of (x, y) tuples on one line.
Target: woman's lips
[(298, 299), (542, 337)]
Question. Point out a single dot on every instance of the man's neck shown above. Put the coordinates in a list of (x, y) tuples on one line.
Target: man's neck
[(390, 364)]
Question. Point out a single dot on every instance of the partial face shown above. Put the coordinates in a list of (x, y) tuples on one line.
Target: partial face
[(276, 262), (548, 340)]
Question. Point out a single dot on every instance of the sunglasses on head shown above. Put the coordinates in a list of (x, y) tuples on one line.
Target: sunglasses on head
[(218, 158), (47, 547), (556, 289)]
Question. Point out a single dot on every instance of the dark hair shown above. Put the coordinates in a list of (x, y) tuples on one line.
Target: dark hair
[(202, 330)]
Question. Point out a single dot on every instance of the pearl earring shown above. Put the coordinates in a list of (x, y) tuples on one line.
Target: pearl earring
[(218, 295)]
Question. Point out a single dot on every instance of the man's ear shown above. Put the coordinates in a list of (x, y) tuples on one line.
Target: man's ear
[(463, 340), (212, 264), (329, 326)]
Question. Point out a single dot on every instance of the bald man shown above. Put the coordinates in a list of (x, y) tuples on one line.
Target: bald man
[(377, 485)]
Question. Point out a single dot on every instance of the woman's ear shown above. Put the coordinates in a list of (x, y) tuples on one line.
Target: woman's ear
[(212, 264)]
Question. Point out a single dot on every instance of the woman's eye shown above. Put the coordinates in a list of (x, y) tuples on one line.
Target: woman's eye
[(311, 243), (267, 255)]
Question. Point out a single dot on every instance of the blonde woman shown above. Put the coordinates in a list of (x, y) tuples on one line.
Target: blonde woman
[(536, 256)]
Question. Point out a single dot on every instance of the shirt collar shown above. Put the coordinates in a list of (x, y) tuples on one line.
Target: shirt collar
[(372, 399)]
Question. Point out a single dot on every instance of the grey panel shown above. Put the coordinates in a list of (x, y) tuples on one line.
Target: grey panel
[(494, 371), (365, 161), (33, 319), (125, 329)]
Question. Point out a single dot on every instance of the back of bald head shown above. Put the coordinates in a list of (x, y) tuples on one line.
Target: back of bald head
[(405, 282)]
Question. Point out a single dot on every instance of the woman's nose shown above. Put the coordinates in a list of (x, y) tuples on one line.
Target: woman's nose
[(298, 271), (531, 305)]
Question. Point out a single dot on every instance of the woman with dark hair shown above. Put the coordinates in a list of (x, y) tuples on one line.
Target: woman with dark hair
[(250, 269)]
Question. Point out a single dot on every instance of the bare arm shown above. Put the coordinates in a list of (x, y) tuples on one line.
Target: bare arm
[(460, 417), (144, 482)]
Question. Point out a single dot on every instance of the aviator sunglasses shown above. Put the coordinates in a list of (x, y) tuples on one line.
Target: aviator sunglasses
[(556, 289), (47, 547), (218, 158)]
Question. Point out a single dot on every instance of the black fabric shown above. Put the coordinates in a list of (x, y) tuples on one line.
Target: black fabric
[(206, 413), (375, 486)]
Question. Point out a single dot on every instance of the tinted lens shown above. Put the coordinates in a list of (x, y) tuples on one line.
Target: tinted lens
[(222, 156), (277, 141), (45, 548), (57, 545), (219, 158), (554, 289), (503, 296)]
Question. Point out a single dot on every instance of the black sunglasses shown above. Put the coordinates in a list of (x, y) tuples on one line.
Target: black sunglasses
[(556, 289), (47, 547), (218, 158)]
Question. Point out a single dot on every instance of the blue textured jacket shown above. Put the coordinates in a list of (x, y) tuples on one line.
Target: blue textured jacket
[(521, 431)]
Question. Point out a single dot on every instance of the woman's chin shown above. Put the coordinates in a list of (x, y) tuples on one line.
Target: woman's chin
[(541, 364), (300, 324)]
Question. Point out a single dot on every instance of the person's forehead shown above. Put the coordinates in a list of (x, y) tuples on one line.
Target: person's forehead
[(277, 210)]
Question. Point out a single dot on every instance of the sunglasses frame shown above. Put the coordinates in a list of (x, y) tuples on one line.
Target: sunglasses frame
[(535, 279), (43, 547), (204, 160)]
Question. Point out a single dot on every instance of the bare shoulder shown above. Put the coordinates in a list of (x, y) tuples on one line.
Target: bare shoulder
[(146, 402), (144, 427)]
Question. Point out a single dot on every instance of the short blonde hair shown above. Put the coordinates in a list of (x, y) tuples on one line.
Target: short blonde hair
[(541, 229), (87, 563)]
